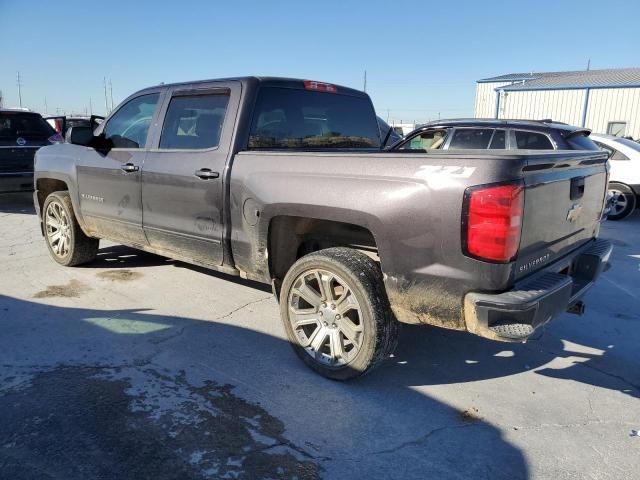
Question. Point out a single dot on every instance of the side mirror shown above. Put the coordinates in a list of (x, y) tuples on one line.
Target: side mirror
[(79, 135)]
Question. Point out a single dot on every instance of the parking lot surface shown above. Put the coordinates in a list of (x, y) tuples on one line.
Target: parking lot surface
[(137, 366)]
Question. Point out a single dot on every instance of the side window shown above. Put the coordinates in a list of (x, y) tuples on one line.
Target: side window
[(129, 126), (606, 148), (618, 155), (532, 141), (194, 122), (471, 138), (498, 140), (428, 140)]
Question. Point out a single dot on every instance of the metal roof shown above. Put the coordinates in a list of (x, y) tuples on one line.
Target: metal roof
[(612, 78)]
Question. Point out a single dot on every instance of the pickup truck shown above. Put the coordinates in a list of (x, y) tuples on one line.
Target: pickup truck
[(287, 182)]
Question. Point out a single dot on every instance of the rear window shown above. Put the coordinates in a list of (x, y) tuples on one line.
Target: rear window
[(532, 141), (287, 118), (471, 138), (18, 124), (582, 142)]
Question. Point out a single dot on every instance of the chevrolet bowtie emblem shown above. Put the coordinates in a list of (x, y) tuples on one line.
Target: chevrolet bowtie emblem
[(574, 212)]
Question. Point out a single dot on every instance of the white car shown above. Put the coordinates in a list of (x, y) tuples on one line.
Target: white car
[(624, 180)]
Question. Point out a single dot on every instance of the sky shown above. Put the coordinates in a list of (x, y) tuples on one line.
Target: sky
[(422, 58)]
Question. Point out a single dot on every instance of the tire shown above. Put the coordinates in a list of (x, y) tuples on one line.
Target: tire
[(336, 313), (67, 244), (624, 201)]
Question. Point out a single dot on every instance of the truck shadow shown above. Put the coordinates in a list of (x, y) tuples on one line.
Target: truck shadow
[(433, 356), (92, 393)]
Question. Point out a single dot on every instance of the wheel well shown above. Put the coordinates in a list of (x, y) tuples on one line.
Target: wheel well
[(293, 237), (46, 186)]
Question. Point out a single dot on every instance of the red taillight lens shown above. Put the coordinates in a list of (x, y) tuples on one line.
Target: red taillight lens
[(320, 86), (57, 138), (493, 222)]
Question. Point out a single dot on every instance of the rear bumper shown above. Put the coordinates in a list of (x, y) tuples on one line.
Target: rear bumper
[(16, 182), (514, 315)]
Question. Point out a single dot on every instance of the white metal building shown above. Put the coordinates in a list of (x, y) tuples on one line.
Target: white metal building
[(606, 101)]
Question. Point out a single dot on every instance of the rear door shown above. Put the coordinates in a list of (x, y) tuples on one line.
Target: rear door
[(183, 175), (109, 178)]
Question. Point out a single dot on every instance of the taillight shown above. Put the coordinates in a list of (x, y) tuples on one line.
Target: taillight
[(57, 138), (492, 219)]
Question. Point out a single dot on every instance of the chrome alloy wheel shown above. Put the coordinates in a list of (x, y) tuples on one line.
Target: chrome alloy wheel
[(58, 229), (619, 202), (326, 317)]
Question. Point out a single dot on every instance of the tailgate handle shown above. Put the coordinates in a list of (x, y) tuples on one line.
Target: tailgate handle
[(577, 188)]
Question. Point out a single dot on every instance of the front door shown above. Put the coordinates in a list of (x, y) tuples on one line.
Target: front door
[(182, 178), (109, 188)]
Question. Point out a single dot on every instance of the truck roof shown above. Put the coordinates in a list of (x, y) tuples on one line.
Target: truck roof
[(265, 81)]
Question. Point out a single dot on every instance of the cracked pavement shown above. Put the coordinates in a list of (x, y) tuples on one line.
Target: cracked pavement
[(137, 366)]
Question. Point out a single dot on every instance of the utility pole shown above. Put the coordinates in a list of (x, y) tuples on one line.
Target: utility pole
[(19, 88), (46, 109), (388, 112), (90, 107), (365, 80), (106, 101), (588, 65), (0, 98), (111, 92)]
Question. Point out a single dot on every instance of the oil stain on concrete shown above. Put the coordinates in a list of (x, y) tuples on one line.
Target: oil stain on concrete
[(73, 289), (123, 275), (85, 422)]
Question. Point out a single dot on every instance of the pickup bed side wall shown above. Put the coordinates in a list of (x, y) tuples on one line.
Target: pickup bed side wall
[(413, 211)]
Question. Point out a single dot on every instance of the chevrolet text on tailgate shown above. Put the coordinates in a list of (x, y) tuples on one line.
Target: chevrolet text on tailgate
[(287, 182)]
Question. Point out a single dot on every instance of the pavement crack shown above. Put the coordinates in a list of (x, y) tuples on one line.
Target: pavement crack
[(423, 438), (588, 365), (253, 302)]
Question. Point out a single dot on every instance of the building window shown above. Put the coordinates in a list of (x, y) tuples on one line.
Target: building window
[(617, 128)]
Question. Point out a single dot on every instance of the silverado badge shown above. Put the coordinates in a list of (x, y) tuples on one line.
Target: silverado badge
[(574, 212)]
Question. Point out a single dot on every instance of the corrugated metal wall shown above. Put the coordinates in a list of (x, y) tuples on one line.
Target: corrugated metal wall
[(562, 105), (614, 105), (604, 106), (486, 99)]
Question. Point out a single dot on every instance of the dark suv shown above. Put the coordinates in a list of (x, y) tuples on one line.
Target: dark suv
[(21, 134), (492, 134)]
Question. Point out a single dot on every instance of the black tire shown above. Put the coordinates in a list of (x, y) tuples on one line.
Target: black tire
[(363, 277), (627, 198), (81, 249)]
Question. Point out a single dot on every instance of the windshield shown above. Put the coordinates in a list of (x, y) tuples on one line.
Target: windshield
[(20, 124), (287, 118), (629, 143)]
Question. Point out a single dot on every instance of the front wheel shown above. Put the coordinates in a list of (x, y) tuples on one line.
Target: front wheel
[(623, 202), (67, 243), (336, 313)]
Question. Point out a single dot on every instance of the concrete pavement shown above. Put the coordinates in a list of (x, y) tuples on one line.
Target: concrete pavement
[(137, 366)]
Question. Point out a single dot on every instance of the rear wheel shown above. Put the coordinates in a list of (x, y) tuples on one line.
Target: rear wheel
[(623, 202), (336, 313), (67, 243)]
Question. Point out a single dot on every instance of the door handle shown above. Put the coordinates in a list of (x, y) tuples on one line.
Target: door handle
[(206, 174), (129, 167)]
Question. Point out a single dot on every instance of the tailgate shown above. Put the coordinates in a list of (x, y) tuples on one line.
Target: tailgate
[(563, 203)]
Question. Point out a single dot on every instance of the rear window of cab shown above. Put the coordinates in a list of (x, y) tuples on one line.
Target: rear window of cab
[(290, 118), (19, 124)]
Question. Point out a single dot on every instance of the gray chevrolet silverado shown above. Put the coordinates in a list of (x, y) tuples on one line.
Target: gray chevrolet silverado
[(286, 182)]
